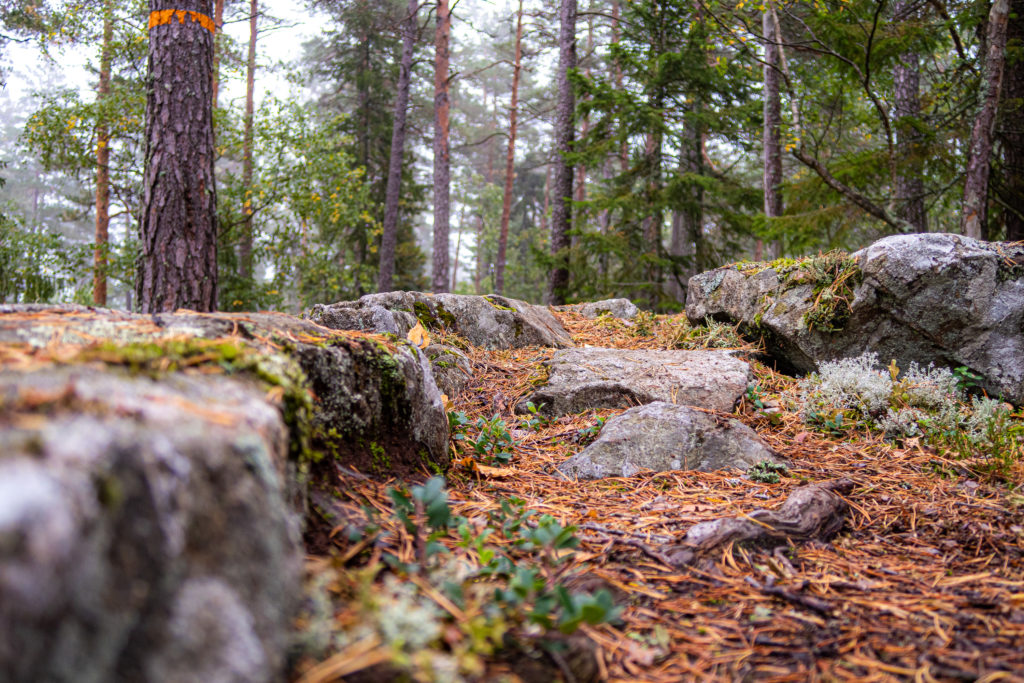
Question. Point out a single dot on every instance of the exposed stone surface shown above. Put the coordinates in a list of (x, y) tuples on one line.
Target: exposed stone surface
[(375, 405), (452, 369), (144, 533), (371, 318), (590, 378), (490, 322), (617, 308), (930, 298), (661, 436)]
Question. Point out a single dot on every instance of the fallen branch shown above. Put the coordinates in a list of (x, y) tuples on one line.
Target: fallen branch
[(814, 512), (806, 601)]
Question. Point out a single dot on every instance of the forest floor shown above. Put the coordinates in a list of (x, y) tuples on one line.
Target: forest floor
[(924, 582)]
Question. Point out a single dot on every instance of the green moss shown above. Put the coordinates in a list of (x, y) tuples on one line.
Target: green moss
[(380, 461), (436, 319), (494, 303)]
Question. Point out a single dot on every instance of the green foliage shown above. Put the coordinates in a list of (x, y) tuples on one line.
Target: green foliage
[(767, 472), (36, 267), (925, 403), (536, 420), (587, 435)]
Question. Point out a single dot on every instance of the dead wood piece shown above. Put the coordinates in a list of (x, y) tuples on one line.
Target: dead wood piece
[(806, 601), (813, 512)]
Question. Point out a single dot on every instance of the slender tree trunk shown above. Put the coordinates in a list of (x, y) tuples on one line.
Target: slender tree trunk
[(1012, 125), (974, 214), (389, 238), (442, 160), (510, 159), (909, 180), (581, 171), (245, 245), (772, 122), (458, 248), (561, 215), (99, 275), (624, 147), (178, 236), (688, 222), (218, 22)]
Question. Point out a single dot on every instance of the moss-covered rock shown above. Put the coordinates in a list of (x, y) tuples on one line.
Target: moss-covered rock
[(931, 298), (491, 322)]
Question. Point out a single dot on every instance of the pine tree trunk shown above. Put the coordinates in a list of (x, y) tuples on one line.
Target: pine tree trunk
[(442, 158), (389, 238), (510, 159), (99, 275), (909, 180), (974, 213), (178, 233), (688, 222), (218, 22), (772, 120), (561, 214), (245, 245), (1012, 125)]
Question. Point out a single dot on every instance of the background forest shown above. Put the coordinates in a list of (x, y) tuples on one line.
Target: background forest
[(697, 132)]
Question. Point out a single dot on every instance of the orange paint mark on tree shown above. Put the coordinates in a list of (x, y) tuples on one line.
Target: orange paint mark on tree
[(166, 16)]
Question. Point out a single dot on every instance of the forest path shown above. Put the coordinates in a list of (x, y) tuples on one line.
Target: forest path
[(925, 580)]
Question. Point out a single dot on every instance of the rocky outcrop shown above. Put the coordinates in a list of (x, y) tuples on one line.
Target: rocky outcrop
[(372, 403), (148, 497), (490, 322), (931, 298), (616, 308), (144, 532), (452, 369), (662, 436), (586, 379)]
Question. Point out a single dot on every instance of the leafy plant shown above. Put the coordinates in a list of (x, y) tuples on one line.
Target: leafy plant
[(493, 440), (536, 421), (588, 434)]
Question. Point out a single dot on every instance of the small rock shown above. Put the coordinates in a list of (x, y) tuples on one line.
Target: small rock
[(591, 378), (660, 437), (490, 322), (616, 308)]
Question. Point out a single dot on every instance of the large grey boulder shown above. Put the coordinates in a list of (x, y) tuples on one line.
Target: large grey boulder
[(370, 403), (490, 322), (144, 528), (930, 298), (616, 308), (590, 378), (661, 436)]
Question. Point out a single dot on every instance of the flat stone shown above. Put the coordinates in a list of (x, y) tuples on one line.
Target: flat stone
[(490, 322), (662, 436), (591, 378)]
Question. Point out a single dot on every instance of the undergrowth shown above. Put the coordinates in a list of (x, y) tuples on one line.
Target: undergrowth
[(930, 404), (442, 609)]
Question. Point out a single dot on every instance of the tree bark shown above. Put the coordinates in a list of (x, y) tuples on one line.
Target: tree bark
[(100, 260), (974, 212), (1011, 132), (510, 159), (178, 233), (218, 22), (245, 245), (389, 238), (561, 214), (442, 154), (772, 120), (909, 180), (688, 221)]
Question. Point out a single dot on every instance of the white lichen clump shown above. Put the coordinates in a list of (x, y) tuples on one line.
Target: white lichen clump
[(860, 392)]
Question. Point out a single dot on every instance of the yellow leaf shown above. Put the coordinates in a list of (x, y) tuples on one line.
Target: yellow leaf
[(419, 337)]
